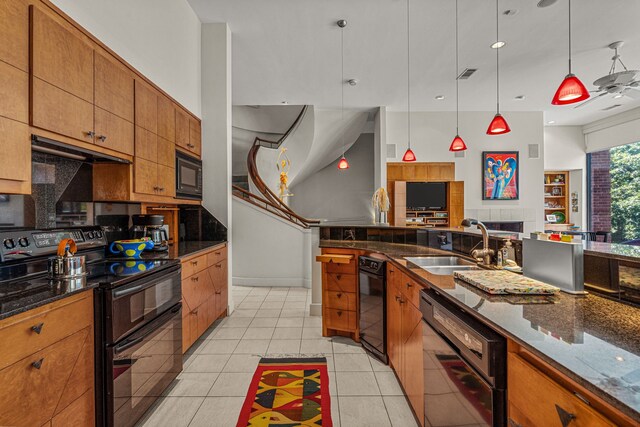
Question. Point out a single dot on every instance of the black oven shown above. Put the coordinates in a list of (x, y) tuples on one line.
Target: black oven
[(188, 177)]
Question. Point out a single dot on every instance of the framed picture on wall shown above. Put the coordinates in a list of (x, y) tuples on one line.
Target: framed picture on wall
[(500, 175)]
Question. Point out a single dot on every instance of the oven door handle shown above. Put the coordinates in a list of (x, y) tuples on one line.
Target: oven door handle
[(147, 283), (125, 292), (147, 330)]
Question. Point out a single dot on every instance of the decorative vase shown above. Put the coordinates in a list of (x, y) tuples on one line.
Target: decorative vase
[(381, 217)]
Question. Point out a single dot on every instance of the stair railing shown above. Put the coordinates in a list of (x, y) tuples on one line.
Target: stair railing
[(258, 201)]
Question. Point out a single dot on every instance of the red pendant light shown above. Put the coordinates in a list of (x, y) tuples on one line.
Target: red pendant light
[(498, 125), (409, 155), (571, 90), (458, 143), (343, 163)]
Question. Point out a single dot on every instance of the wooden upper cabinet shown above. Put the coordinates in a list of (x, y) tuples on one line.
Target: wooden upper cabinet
[(14, 93), (182, 128), (113, 132), (14, 33), (60, 57), (15, 161), (166, 153), (166, 119), (146, 176), (146, 107), (195, 136), (113, 87), (146, 145)]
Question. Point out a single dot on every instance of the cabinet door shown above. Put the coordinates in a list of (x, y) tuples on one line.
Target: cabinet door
[(182, 128), (413, 380), (394, 317), (146, 176), (166, 181), (15, 146), (186, 326), (14, 33), (14, 93), (221, 294), (113, 132), (166, 119), (113, 87), (146, 145), (146, 107), (81, 412), (166, 153), (60, 57), (195, 137)]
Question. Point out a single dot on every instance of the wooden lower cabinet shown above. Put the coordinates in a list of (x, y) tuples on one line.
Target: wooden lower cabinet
[(54, 383), (204, 293)]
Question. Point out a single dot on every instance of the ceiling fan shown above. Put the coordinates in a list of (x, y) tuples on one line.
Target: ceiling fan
[(616, 83)]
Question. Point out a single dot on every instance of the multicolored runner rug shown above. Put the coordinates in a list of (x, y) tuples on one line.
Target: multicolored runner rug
[(288, 392)]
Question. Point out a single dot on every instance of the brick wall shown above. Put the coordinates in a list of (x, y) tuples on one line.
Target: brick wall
[(600, 191)]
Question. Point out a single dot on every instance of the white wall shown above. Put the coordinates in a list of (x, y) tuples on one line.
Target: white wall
[(621, 129), (337, 195), (431, 135), (160, 38), (269, 251), (564, 149)]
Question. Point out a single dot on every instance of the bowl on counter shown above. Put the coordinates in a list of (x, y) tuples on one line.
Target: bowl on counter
[(130, 248)]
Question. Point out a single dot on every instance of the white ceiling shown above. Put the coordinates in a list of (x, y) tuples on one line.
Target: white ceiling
[(289, 50)]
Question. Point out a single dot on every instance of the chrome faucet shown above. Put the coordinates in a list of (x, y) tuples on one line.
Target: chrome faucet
[(482, 255)]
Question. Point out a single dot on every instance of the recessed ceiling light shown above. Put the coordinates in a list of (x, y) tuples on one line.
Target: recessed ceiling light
[(498, 44), (550, 122), (440, 97), (520, 97), (618, 96), (285, 102), (620, 358), (510, 12)]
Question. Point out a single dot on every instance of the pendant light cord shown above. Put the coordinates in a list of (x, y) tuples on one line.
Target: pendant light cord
[(408, 79), (342, 87), (569, 36), (497, 61), (457, 96)]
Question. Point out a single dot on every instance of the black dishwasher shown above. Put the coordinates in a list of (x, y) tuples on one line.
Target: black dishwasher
[(373, 313)]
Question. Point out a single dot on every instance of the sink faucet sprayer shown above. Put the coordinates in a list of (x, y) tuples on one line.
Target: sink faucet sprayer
[(482, 255)]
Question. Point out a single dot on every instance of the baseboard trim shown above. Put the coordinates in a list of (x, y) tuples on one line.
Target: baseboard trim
[(315, 309)]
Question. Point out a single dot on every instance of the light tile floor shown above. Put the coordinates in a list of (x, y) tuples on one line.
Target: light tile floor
[(275, 321)]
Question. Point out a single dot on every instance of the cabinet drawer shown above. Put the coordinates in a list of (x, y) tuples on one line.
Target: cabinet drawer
[(196, 288), (47, 325), (216, 256), (526, 384), (340, 319), (332, 267), (411, 290), (341, 282), (193, 265), (340, 300)]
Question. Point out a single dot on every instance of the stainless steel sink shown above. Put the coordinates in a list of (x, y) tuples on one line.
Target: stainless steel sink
[(435, 261), (447, 270)]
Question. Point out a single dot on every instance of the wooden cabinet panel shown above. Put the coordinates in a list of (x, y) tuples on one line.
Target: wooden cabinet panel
[(60, 57), (166, 181), (527, 384), (340, 319), (32, 386), (411, 290), (146, 145), (14, 33), (14, 92), (203, 318), (186, 326), (113, 132), (146, 176), (216, 256), (166, 153), (193, 265), (349, 268), (82, 376), (183, 132), (146, 107), (14, 139), (34, 330), (113, 87), (166, 119), (412, 363), (219, 276), (341, 300), (341, 282), (195, 137), (58, 111), (394, 318), (80, 413)]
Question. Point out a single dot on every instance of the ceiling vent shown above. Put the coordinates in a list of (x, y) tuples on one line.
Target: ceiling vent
[(468, 72), (612, 107)]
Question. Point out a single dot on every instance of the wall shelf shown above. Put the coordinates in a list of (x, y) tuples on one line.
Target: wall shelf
[(556, 193)]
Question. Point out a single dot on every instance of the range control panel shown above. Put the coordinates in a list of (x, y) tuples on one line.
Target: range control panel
[(15, 245)]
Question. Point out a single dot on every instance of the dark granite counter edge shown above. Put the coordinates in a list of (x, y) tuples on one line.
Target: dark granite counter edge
[(45, 301), (204, 246), (552, 362)]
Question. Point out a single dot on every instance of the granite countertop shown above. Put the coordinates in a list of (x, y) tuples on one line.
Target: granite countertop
[(613, 250), (18, 297), (183, 249), (591, 339)]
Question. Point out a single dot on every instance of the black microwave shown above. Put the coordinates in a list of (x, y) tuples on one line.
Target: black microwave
[(188, 177)]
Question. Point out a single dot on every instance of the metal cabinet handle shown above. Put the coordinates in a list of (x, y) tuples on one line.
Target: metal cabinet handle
[(195, 311), (161, 188), (194, 263), (565, 417), (409, 285), (218, 292), (339, 276), (218, 265), (512, 423), (339, 313), (217, 253), (195, 279), (339, 295), (156, 188), (37, 328), (90, 134), (38, 363), (191, 145), (102, 138)]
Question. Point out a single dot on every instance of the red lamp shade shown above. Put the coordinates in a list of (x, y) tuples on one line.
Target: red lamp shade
[(409, 156), (457, 144), (498, 126), (571, 90), (343, 164)]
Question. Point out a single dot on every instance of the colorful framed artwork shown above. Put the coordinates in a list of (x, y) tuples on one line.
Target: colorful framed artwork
[(500, 175)]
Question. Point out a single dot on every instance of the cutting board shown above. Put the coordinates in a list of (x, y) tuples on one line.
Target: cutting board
[(504, 282)]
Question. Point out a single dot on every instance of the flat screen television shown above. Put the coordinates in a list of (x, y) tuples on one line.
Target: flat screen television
[(426, 196)]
